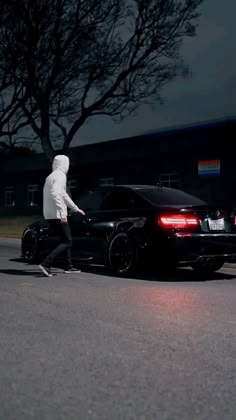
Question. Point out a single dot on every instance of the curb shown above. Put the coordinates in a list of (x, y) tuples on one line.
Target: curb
[(10, 241)]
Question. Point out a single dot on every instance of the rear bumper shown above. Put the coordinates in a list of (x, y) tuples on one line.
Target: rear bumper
[(195, 247)]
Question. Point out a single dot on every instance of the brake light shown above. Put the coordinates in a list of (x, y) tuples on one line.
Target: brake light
[(178, 221), (234, 220)]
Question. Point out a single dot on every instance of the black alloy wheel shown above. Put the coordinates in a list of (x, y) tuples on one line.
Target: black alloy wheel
[(30, 246), (122, 253)]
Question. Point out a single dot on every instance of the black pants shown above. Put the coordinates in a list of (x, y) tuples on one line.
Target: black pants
[(64, 247)]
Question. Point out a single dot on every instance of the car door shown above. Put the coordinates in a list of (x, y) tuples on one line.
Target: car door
[(103, 207), (85, 229), (117, 206)]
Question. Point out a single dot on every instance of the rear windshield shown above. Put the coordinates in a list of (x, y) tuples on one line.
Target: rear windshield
[(168, 196)]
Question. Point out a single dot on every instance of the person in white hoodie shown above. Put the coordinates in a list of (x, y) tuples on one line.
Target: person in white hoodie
[(55, 203)]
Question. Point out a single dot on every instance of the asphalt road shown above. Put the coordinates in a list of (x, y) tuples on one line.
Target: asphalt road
[(90, 346)]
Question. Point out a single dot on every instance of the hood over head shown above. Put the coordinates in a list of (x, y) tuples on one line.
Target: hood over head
[(62, 163)]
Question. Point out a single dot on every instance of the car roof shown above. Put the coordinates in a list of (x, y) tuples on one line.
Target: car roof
[(145, 187), (136, 187)]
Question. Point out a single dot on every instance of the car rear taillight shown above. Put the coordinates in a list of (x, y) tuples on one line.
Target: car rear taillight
[(178, 221), (235, 220)]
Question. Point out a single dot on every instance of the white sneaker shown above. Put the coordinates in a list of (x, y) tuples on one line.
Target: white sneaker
[(72, 271), (45, 270)]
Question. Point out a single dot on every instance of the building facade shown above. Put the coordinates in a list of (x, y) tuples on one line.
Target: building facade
[(199, 159)]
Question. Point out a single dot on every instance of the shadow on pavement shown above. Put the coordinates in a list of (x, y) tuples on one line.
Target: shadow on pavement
[(15, 272), (20, 260), (181, 274)]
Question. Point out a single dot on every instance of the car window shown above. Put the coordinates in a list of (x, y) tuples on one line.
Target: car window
[(122, 199), (168, 196), (91, 201)]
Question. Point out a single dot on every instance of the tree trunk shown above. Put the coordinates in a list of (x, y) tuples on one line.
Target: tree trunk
[(73, 130), (47, 148)]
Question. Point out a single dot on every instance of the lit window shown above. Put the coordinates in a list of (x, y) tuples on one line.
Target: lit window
[(10, 197), (33, 191), (72, 186), (103, 182), (169, 180)]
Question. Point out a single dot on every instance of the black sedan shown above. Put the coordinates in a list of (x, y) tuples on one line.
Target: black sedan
[(130, 226)]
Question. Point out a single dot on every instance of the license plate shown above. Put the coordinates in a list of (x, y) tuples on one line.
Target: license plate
[(216, 224)]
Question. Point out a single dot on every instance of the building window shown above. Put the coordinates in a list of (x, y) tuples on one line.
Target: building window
[(10, 197), (104, 182), (33, 195), (169, 180), (72, 186)]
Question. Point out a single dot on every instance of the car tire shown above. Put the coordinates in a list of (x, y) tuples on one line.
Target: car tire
[(207, 267), (122, 254), (29, 246)]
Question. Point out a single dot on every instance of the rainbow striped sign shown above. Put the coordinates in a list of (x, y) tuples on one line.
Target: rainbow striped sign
[(209, 167)]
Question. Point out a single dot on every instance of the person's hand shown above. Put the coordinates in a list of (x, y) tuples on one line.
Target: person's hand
[(81, 212), (64, 220)]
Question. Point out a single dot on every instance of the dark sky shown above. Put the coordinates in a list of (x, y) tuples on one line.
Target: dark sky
[(210, 93)]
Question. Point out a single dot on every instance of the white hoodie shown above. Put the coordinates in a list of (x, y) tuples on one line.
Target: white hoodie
[(55, 198)]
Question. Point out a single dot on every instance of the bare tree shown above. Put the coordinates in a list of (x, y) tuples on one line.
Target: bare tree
[(12, 92), (12, 117), (75, 59)]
